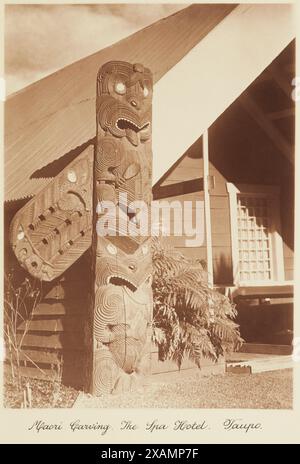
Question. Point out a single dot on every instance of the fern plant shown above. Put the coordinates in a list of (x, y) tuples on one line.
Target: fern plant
[(189, 319)]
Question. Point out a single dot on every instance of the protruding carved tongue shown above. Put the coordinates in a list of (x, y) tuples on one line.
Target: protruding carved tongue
[(132, 136)]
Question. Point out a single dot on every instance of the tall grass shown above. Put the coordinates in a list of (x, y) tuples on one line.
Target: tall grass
[(20, 302)]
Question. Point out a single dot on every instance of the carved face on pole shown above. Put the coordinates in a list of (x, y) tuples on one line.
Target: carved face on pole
[(124, 123), (124, 95), (123, 168)]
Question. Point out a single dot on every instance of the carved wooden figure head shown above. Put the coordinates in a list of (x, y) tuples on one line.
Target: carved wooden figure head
[(124, 94)]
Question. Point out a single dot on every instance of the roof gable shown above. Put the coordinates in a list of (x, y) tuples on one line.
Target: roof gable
[(56, 115)]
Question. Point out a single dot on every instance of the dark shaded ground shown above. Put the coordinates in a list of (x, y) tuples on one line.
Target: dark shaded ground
[(44, 394)]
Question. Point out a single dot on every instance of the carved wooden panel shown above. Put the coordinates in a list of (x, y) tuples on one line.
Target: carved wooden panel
[(123, 166), (55, 228)]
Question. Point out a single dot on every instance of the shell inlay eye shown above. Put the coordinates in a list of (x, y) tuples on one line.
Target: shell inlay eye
[(20, 235), (111, 249), (72, 176), (145, 249), (146, 92), (120, 88)]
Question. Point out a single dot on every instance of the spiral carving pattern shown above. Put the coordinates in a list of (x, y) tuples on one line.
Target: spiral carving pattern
[(108, 305), (106, 372)]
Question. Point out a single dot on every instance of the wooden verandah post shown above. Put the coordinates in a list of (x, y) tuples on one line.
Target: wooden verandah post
[(209, 257)]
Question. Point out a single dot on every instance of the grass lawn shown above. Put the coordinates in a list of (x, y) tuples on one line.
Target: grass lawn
[(266, 390)]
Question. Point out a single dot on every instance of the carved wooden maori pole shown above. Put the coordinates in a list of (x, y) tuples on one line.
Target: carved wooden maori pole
[(55, 228), (122, 175)]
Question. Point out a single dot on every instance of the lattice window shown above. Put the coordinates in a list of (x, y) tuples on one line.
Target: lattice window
[(254, 238)]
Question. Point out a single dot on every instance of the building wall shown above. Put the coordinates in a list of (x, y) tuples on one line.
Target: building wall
[(188, 168), (239, 152), (242, 152), (53, 339)]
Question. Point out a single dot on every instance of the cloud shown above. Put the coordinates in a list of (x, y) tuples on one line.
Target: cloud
[(40, 39)]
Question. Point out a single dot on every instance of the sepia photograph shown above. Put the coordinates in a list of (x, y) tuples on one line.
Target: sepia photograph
[(149, 206)]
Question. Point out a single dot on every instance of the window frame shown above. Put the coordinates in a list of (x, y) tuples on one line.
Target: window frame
[(272, 193)]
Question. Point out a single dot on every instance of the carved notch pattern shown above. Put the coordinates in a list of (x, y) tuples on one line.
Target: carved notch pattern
[(55, 228)]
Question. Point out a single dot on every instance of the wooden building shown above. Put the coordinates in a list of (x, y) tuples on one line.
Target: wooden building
[(223, 133), (250, 245)]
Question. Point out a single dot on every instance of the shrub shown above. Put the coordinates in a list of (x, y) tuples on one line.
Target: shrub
[(189, 318)]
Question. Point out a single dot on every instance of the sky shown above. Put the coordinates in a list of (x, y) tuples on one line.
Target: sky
[(40, 39)]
